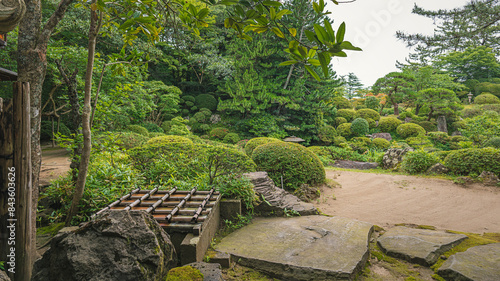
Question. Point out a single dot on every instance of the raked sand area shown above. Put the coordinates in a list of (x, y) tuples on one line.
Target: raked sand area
[(386, 200)]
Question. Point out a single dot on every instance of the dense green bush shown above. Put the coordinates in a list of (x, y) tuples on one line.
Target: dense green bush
[(471, 112), (360, 144), (155, 134), (368, 113), (420, 142), (473, 161), (166, 125), (491, 107), (237, 187), (418, 161), (339, 141), (342, 103), (327, 134), (381, 143), (486, 98), (290, 161), (372, 102), (405, 114), (241, 144), (128, 140), (428, 126), (178, 127), (493, 142), (206, 101), (218, 133), (231, 138), (388, 124), (371, 123), (348, 114), (339, 153), (441, 154), (152, 127), (344, 130), (46, 130), (162, 140), (360, 127), (483, 127), (410, 130), (253, 143), (340, 120), (138, 130), (440, 140)]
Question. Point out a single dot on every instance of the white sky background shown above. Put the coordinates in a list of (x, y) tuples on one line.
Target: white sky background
[(372, 25)]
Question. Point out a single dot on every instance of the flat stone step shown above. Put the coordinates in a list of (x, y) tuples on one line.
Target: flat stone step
[(420, 246), (480, 263), (301, 248)]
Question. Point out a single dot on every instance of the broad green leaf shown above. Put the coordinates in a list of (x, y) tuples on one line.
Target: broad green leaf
[(272, 3), (311, 53), (246, 37), (293, 44), (260, 29), (128, 23), (341, 33), (340, 54), (228, 22), (321, 5), (203, 13), (278, 32), (272, 13), (293, 31), (281, 13), (329, 30), (311, 36), (314, 62), (312, 72), (228, 2), (290, 62), (324, 59), (348, 46), (320, 33), (251, 14), (302, 51), (316, 8), (239, 10)]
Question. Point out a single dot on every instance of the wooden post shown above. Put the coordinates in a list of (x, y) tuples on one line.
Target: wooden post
[(15, 203)]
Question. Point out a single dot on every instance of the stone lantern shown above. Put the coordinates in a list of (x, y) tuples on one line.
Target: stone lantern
[(470, 95)]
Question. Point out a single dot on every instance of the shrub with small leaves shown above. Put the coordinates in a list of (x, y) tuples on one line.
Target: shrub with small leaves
[(340, 120), (338, 141), (371, 123), (473, 160), (410, 130), (178, 127), (360, 127), (418, 161), (348, 114), (381, 143), (388, 124), (344, 130), (341, 103), (231, 138), (427, 125), (206, 101), (368, 113), (163, 140), (166, 125), (441, 154), (405, 114), (152, 127), (253, 143), (493, 142), (420, 142), (327, 133), (138, 130), (218, 133), (486, 98), (471, 112)]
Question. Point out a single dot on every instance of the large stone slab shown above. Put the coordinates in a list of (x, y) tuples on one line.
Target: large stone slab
[(421, 246), (480, 263), (277, 199), (301, 248)]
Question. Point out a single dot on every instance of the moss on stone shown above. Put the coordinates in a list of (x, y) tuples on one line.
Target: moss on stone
[(184, 273), (52, 229)]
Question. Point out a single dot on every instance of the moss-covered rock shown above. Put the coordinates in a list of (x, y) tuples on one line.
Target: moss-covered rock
[(184, 273)]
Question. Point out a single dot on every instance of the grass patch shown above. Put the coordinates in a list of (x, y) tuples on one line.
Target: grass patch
[(52, 229)]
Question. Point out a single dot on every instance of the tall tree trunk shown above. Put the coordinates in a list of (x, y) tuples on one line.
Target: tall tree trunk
[(31, 67), (87, 144)]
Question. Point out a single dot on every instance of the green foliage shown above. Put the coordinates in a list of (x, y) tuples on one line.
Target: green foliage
[(184, 273), (410, 130), (166, 126), (486, 98), (472, 112), (255, 142), (293, 162), (473, 161), (481, 128), (493, 142), (265, 125), (152, 127), (368, 113), (427, 125), (491, 107), (381, 143), (206, 101), (46, 130), (338, 153), (218, 133), (344, 130), (341, 103), (231, 138), (418, 161), (371, 123), (360, 127), (237, 187), (138, 130), (360, 144), (327, 134), (340, 120), (163, 140), (405, 114), (372, 102), (441, 154), (420, 142), (440, 140), (388, 124), (178, 127), (348, 114)]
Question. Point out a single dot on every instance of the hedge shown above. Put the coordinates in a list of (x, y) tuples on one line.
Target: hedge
[(253, 143), (473, 161), (368, 113), (388, 124), (410, 130)]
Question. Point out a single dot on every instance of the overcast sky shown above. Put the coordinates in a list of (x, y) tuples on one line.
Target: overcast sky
[(372, 25)]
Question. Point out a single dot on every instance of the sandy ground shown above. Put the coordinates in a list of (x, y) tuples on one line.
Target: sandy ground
[(386, 200), (55, 163)]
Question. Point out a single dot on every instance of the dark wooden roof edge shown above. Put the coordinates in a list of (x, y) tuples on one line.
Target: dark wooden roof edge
[(7, 75)]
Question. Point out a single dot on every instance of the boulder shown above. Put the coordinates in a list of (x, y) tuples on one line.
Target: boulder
[(437, 169), (456, 133), (276, 200), (393, 157), (215, 118), (210, 271), (480, 263), (420, 246), (355, 165), (441, 126), (117, 245), (489, 178), (386, 136)]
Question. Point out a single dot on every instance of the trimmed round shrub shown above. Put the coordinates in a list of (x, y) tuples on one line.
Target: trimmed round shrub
[(410, 130), (163, 140), (371, 123), (372, 102), (155, 134), (138, 130), (427, 125), (189, 104), (152, 127), (338, 141), (418, 161), (471, 112), (388, 124), (473, 160), (492, 107), (419, 142), (340, 120), (166, 125), (199, 117), (439, 137), (292, 161), (218, 133), (368, 113), (348, 114), (406, 114), (327, 133), (344, 130), (493, 142), (241, 144), (441, 154), (130, 140), (187, 98), (360, 127), (231, 138), (486, 98), (381, 143), (206, 101), (342, 103), (253, 143)]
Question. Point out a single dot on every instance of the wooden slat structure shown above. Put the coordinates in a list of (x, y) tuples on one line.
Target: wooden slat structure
[(184, 211)]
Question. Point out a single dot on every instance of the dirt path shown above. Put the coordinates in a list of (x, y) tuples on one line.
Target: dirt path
[(386, 200), (55, 163)]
